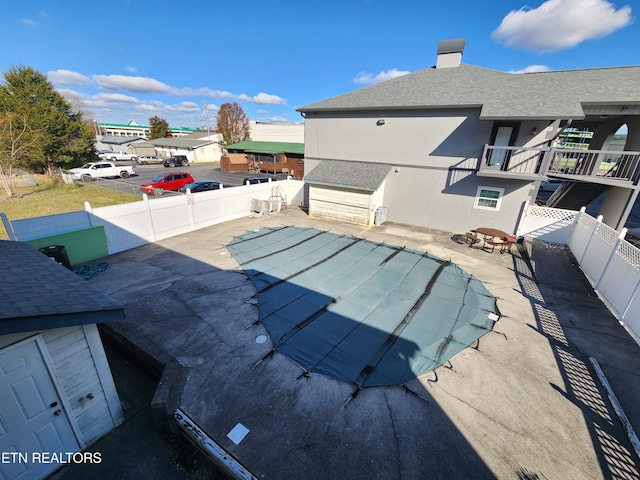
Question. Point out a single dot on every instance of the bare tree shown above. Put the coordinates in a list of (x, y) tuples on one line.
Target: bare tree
[(17, 139), (232, 124)]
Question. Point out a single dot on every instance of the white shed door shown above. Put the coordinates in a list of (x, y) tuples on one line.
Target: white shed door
[(32, 420)]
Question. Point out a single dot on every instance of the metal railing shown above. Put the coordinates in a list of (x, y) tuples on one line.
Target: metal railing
[(596, 163), (619, 165)]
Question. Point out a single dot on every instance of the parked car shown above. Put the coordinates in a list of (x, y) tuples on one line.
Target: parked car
[(254, 180), (176, 161), (549, 185), (147, 159), (95, 170), (201, 186), (166, 181), (118, 156)]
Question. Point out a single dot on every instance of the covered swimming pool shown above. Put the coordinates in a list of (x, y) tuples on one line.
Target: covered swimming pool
[(362, 312)]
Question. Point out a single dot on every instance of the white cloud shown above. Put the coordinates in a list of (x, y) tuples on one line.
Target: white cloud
[(532, 69), (263, 99), (186, 107), (116, 97), (67, 77), (131, 84), (370, 78), (131, 69), (201, 92), (28, 22), (561, 24)]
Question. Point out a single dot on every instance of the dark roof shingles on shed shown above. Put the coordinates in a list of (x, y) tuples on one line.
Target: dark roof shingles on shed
[(355, 175), (38, 293)]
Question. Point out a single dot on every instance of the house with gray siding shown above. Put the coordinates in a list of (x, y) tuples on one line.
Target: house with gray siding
[(456, 146), (57, 395)]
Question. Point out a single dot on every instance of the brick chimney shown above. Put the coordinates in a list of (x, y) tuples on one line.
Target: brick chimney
[(450, 53)]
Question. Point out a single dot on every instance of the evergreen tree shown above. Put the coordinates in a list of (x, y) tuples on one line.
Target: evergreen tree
[(56, 135), (159, 128)]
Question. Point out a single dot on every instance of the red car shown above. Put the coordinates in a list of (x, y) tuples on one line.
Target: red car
[(166, 181)]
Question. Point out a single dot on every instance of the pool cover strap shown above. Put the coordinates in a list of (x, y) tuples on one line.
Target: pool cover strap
[(362, 312)]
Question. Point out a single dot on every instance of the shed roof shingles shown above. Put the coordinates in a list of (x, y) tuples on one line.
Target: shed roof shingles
[(355, 175), (34, 288)]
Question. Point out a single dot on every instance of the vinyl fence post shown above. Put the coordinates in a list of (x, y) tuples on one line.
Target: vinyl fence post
[(593, 232), (89, 210), (8, 227), (576, 222), (147, 211), (614, 250)]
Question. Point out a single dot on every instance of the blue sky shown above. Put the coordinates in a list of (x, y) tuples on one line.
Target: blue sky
[(126, 60)]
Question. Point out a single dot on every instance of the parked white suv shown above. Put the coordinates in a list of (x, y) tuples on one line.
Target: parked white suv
[(118, 156)]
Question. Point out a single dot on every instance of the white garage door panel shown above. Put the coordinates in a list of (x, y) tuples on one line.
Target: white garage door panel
[(341, 213), (346, 197), (340, 205)]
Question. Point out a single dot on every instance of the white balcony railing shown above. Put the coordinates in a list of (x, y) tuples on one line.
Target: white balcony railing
[(619, 165)]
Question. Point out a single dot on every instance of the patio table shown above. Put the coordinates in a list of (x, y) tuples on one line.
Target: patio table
[(489, 236)]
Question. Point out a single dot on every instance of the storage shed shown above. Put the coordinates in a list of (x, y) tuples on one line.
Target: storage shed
[(269, 157), (56, 389), (346, 191)]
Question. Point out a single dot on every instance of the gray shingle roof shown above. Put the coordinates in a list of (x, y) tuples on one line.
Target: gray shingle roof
[(39, 294), (180, 142), (541, 95), (118, 140), (355, 175)]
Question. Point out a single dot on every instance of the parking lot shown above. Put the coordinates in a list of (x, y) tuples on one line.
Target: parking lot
[(206, 171)]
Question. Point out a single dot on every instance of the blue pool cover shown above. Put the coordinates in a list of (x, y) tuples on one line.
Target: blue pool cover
[(363, 312)]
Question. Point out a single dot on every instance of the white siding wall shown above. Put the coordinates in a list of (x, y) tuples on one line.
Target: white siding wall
[(81, 368), (340, 205), (79, 373), (277, 132), (435, 154)]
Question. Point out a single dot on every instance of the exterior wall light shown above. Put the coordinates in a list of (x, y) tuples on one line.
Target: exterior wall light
[(380, 122)]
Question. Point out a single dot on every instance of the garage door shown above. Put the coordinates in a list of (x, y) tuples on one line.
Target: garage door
[(340, 204), (32, 420)]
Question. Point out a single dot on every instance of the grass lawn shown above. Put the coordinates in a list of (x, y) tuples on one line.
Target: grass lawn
[(52, 196)]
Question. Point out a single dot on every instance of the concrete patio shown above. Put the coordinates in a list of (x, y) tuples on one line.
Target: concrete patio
[(525, 404)]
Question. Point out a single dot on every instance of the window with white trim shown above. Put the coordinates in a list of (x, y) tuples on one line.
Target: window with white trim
[(489, 198)]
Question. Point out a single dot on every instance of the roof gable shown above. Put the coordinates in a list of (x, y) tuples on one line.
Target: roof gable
[(499, 95)]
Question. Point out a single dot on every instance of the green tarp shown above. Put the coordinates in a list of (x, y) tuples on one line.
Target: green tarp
[(362, 312)]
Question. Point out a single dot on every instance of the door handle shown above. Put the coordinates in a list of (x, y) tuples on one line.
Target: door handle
[(57, 412)]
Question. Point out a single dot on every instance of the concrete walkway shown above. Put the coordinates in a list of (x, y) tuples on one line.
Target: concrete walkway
[(525, 404)]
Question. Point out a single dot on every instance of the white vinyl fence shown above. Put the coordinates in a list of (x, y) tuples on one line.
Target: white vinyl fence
[(133, 224), (611, 264)]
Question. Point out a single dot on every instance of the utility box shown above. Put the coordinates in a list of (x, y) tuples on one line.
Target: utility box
[(58, 253), (380, 216)]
